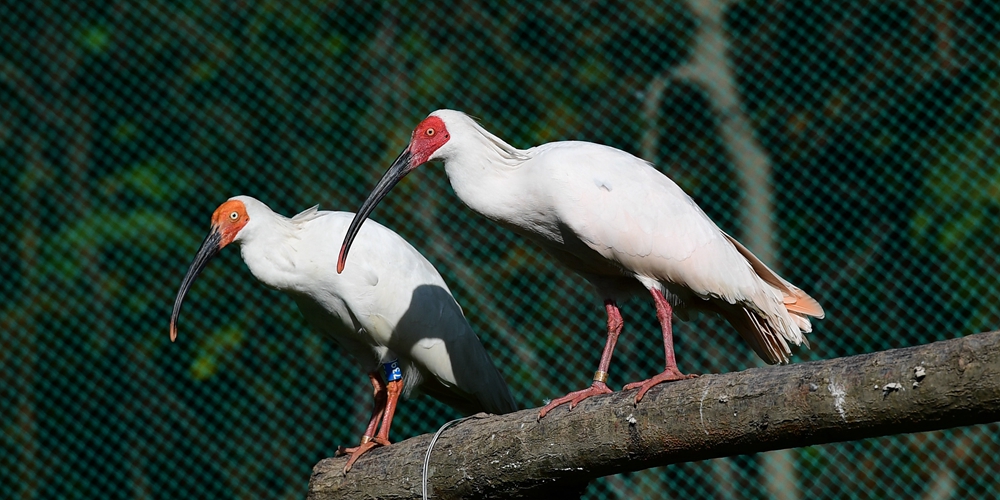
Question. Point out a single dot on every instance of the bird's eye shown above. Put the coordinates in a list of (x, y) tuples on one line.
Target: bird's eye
[(430, 132), (234, 215)]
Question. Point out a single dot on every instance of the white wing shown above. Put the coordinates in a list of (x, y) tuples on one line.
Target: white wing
[(636, 217), (401, 302)]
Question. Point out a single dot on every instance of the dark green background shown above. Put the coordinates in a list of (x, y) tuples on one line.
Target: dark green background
[(124, 124)]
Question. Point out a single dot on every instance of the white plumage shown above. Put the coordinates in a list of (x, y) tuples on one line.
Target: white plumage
[(392, 303), (617, 221)]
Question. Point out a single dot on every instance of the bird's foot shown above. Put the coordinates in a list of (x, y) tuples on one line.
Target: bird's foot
[(668, 375), (574, 398), (343, 450), (357, 451)]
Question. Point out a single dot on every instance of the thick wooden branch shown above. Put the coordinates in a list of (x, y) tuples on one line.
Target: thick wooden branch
[(934, 386)]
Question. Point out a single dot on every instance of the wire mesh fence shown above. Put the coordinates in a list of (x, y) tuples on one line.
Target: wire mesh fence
[(851, 145)]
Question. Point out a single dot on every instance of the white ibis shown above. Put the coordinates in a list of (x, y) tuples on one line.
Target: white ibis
[(391, 309), (617, 221)]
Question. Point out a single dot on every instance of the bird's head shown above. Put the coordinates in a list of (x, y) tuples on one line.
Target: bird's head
[(426, 142), (227, 221), (431, 140)]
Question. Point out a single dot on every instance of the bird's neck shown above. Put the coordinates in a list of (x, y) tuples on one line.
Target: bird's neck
[(486, 177), (270, 253)]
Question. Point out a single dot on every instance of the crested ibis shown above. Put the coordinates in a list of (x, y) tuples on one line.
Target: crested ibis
[(392, 308), (621, 224)]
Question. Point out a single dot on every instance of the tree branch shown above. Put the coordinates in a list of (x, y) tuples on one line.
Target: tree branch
[(755, 410), (709, 68)]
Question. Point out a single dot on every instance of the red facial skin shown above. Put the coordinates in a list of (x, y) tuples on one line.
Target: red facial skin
[(429, 135), (226, 224)]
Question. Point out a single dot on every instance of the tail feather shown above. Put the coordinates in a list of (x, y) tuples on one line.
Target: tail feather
[(769, 335), (796, 301), (800, 302), (802, 322), (799, 307), (764, 338)]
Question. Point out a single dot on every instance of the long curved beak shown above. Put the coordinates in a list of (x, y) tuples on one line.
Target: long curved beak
[(209, 248), (398, 170)]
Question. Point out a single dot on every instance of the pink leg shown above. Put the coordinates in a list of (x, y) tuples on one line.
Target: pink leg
[(370, 440), (393, 390), (601, 376), (664, 313)]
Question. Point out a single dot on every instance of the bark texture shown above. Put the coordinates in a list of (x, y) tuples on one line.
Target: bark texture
[(934, 386)]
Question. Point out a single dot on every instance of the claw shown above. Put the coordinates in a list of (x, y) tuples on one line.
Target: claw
[(356, 451), (669, 375), (574, 398)]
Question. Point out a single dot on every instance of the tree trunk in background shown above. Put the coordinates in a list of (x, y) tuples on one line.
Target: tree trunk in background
[(46, 93), (25, 333), (708, 68)]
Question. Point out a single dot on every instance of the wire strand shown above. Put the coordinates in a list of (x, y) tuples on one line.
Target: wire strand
[(430, 446)]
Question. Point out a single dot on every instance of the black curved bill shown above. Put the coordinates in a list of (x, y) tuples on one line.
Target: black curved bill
[(209, 248), (397, 171)]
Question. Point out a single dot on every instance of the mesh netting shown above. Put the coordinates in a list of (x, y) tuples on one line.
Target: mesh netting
[(850, 144)]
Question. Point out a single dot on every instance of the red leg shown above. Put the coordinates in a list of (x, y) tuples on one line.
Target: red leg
[(601, 375), (379, 408), (664, 313), (393, 390), (379, 398)]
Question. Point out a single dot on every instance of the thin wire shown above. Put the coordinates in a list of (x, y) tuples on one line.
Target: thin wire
[(430, 446)]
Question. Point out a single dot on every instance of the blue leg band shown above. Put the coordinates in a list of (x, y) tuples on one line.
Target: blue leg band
[(392, 371)]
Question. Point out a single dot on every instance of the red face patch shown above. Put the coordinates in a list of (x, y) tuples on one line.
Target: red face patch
[(427, 138), (228, 219)]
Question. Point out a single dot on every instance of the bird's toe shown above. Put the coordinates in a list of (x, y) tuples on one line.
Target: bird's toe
[(356, 453), (669, 375), (574, 398)]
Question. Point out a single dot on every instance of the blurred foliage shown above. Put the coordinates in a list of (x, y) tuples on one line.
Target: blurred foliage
[(125, 123)]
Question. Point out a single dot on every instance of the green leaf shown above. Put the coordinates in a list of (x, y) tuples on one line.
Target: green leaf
[(203, 71), (334, 45), (433, 77), (125, 131), (957, 230), (215, 351), (155, 181), (145, 231), (962, 182), (95, 39)]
